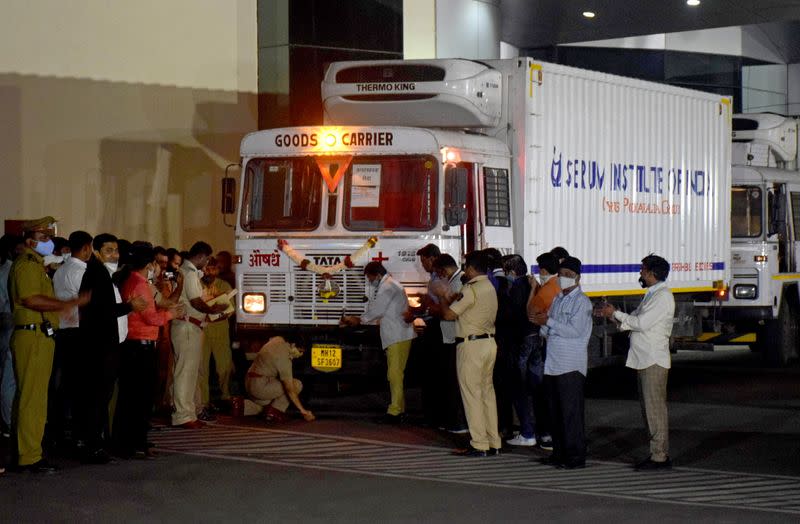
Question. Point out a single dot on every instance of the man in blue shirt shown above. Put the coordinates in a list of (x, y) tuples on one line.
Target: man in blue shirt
[(567, 328)]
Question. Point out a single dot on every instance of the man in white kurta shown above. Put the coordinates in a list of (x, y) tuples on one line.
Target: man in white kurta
[(388, 305)]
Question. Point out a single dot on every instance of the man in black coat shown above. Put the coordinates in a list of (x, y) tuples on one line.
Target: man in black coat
[(103, 325)]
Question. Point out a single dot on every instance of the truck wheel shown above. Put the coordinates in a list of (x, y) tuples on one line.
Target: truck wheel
[(781, 334)]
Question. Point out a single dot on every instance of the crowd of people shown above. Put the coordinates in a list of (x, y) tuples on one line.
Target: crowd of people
[(498, 341), (84, 317)]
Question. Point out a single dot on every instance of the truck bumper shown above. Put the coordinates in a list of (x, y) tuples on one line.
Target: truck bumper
[(362, 354)]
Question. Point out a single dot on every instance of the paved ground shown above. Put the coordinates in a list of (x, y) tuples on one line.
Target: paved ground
[(734, 440)]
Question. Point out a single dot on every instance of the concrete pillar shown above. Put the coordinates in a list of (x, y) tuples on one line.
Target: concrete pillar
[(793, 85), (467, 29), (297, 39), (419, 29), (273, 63)]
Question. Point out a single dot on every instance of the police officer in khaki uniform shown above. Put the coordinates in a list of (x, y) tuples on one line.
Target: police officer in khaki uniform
[(217, 338), (475, 311), (187, 339), (35, 313)]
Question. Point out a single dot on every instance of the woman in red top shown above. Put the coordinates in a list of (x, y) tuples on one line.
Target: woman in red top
[(138, 363)]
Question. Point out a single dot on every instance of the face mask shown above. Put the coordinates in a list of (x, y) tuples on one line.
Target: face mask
[(66, 256), (511, 278), (545, 279), (151, 275), (566, 282), (44, 248), (52, 259), (642, 282), (111, 266)]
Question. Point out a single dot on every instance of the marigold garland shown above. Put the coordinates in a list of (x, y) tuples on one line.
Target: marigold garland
[(306, 264)]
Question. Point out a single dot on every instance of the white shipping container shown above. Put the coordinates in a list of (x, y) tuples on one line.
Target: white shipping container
[(614, 169)]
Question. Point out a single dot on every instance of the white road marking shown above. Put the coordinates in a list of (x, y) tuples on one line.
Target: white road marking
[(684, 486)]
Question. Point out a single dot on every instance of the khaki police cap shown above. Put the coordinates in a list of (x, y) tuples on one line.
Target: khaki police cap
[(47, 223)]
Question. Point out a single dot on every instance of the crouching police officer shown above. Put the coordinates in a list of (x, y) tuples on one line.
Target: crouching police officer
[(270, 383), (35, 317)]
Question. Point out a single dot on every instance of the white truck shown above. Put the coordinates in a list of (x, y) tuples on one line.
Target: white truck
[(515, 154), (763, 306)]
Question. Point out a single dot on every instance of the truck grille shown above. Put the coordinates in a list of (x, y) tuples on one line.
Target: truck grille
[(308, 305), (275, 284)]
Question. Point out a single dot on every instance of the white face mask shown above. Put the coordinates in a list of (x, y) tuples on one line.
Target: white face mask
[(66, 256), (52, 259), (151, 275), (544, 279), (111, 266), (566, 282)]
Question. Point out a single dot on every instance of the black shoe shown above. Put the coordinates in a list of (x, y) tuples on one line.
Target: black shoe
[(392, 420), (206, 416), (470, 452), (148, 454), (550, 461), (97, 456), (222, 406), (651, 465), (39, 468), (494, 452), (577, 464), (123, 453)]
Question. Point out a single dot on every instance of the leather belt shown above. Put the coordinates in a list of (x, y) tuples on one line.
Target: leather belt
[(142, 342), (198, 323), (459, 340), (26, 327)]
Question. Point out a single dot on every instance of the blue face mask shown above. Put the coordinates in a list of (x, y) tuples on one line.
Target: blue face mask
[(45, 248)]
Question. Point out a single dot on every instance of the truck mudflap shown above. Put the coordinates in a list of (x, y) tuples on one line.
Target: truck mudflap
[(330, 350)]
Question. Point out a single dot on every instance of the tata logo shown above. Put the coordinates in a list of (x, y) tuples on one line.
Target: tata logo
[(327, 260)]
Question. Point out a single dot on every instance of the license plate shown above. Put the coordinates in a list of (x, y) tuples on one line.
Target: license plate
[(326, 357)]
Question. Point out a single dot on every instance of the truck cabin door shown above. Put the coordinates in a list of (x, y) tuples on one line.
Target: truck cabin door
[(781, 227), (794, 207), (459, 207), (477, 199)]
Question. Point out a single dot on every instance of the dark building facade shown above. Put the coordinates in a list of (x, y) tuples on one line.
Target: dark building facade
[(319, 32)]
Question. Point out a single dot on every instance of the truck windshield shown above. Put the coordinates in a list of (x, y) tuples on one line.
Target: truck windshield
[(396, 193), (746, 211), (281, 193)]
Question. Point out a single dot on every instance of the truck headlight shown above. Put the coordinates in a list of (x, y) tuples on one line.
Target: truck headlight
[(745, 291), (254, 303)]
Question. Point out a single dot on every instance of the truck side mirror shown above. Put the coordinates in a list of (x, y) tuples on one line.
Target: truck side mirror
[(228, 195), (455, 196), (229, 191)]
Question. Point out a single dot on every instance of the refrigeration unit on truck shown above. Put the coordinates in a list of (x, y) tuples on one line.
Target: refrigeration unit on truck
[(763, 305), (515, 154)]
